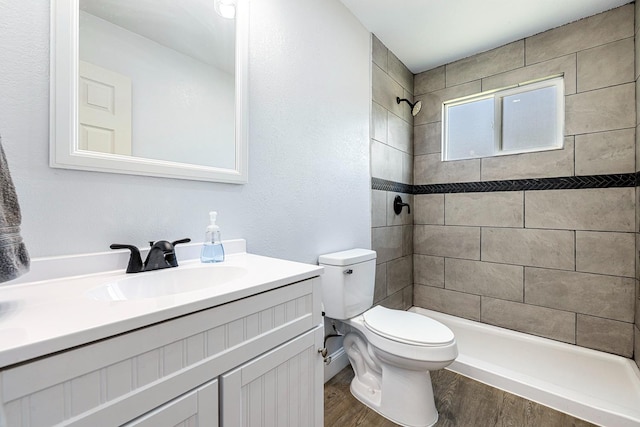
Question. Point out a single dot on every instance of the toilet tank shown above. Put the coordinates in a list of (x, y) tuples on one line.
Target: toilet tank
[(348, 282)]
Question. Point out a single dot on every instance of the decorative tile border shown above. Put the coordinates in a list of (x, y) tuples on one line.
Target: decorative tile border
[(384, 185), (560, 183)]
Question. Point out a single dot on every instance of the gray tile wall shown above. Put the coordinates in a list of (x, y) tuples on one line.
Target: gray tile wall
[(636, 327), (559, 263), (392, 160)]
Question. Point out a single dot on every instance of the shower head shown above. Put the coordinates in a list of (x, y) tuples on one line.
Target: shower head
[(415, 107)]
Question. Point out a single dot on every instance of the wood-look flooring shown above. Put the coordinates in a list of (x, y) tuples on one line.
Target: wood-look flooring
[(461, 402)]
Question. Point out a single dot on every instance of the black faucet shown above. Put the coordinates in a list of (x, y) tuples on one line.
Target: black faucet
[(161, 255)]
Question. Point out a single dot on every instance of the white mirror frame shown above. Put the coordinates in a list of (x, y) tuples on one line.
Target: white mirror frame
[(63, 122)]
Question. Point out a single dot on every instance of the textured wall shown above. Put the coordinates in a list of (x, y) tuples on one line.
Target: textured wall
[(554, 263), (391, 160), (309, 181)]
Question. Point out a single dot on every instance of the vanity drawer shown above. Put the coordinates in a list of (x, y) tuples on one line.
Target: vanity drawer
[(115, 380)]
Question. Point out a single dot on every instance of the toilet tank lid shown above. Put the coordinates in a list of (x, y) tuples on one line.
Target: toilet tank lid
[(352, 256)]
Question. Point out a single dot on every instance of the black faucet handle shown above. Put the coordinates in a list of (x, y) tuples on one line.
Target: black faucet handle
[(135, 260), (171, 258), (177, 242)]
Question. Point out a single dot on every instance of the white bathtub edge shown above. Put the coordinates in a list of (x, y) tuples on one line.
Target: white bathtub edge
[(584, 407)]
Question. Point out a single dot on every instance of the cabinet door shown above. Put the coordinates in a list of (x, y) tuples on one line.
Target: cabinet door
[(197, 408), (283, 387)]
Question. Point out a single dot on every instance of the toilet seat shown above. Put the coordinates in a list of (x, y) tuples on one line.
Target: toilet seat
[(407, 327)]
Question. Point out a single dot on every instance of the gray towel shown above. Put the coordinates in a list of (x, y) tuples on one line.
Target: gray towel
[(14, 259)]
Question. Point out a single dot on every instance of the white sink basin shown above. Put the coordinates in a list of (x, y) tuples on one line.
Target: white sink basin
[(165, 282)]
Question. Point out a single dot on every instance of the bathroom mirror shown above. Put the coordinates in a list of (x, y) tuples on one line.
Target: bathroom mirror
[(150, 87)]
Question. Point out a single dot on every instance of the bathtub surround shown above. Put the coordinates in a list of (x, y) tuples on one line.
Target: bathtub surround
[(636, 329), (541, 242), (392, 175)]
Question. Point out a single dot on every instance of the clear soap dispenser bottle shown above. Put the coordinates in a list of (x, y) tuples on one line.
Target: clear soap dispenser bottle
[(212, 250)]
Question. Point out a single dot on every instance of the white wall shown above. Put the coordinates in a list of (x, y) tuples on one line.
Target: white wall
[(309, 186)]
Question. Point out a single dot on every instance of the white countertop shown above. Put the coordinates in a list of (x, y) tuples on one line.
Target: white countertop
[(40, 318)]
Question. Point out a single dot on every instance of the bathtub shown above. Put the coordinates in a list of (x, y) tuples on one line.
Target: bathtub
[(598, 387)]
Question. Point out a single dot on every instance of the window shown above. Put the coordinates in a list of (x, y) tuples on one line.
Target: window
[(519, 119)]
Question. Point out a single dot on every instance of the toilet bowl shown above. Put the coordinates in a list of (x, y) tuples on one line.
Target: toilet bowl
[(391, 351)]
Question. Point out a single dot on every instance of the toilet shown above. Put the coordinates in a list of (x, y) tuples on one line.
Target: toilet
[(391, 351)]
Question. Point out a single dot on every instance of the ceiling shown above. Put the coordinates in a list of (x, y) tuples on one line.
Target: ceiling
[(425, 34)]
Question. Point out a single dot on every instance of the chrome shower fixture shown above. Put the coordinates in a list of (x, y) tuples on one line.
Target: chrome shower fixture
[(415, 107)]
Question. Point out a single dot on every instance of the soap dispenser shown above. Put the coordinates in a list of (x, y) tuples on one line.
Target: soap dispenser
[(212, 250)]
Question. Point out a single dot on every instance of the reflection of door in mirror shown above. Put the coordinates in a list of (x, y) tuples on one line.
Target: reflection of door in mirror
[(104, 110), (182, 88)]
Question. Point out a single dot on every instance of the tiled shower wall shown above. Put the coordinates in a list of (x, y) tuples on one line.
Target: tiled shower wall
[(391, 165), (558, 263), (636, 352)]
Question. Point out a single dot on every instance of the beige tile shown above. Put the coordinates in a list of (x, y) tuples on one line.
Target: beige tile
[(432, 101), (637, 19), (594, 31), (406, 168), (606, 253), (593, 209), (378, 208), (379, 52), (638, 135), (429, 81), (637, 49), (638, 143), (565, 65), (638, 217), (379, 123), (447, 241), (541, 321), (399, 274), (445, 301), (637, 107), (400, 73), (636, 345), (540, 248), (495, 61), (544, 164), (497, 209), (380, 290), (405, 218), (407, 240), (607, 65), (603, 296), (605, 335), (387, 242), (600, 110), (386, 90), (388, 162), (407, 297), (394, 301), (485, 278), (430, 169), (606, 152), (400, 133), (427, 139), (428, 270), (429, 209)]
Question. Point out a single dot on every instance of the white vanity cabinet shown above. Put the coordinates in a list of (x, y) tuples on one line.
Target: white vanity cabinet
[(252, 362)]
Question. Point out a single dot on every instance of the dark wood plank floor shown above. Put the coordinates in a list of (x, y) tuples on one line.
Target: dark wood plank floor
[(461, 402)]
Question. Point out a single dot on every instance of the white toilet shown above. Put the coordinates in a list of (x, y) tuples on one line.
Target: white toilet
[(391, 351)]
